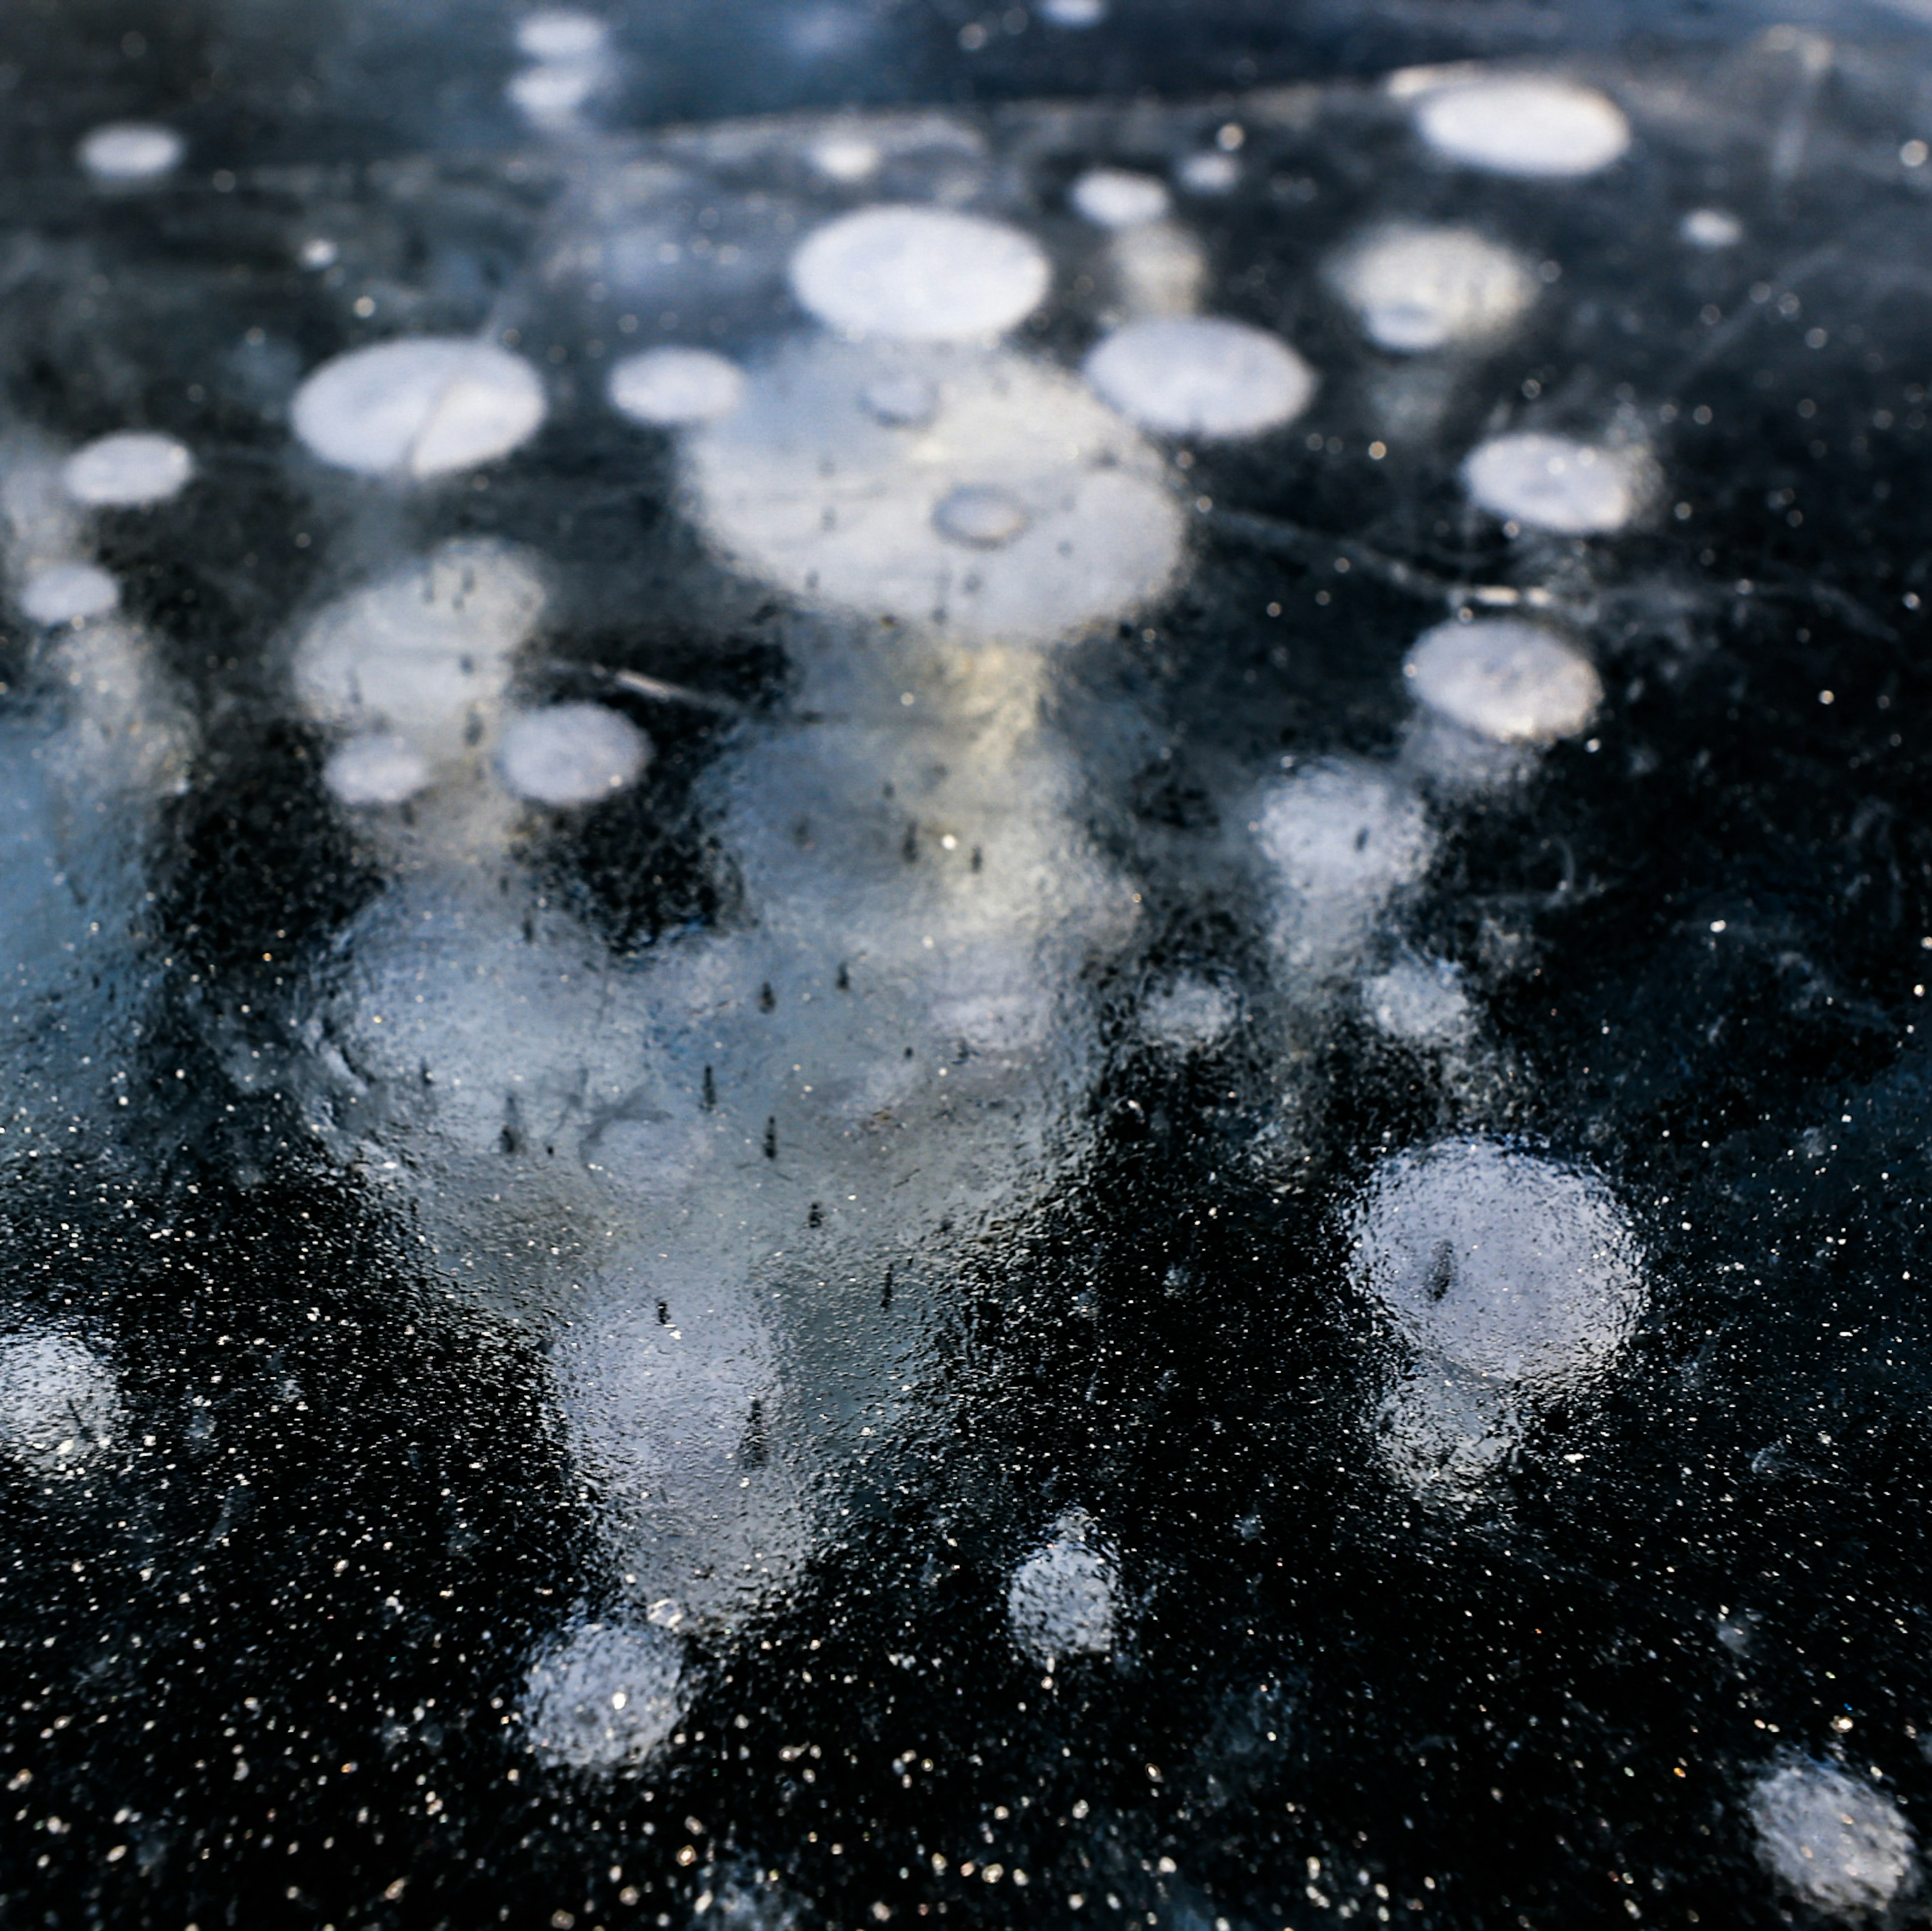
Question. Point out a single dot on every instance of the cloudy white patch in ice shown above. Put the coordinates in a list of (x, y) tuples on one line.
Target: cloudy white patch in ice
[(604, 1697), (1515, 682), (422, 407), (1711, 228), (1525, 125), (1073, 12), (919, 275), (1200, 376), (846, 158), (125, 152), (1118, 197), (560, 33), (1842, 1847), (1419, 1001), (64, 593), (1211, 171), (1552, 483), (128, 471), (669, 386), (378, 768), (58, 1402), (572, 754), (1417, 288), (1190, 1015), (1060, 1602)]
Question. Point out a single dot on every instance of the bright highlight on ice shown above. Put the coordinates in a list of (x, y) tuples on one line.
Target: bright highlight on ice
[(1199, 375), (1524, 125), (1502, 679), (128, 471), (604, 1697), (1551, 483)]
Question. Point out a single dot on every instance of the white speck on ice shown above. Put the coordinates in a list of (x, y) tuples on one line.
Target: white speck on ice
[(1711, 228), (1502, 679), (124, 152), (1060, 1602), (1418, 289), (1504, 1264), (572, 754), (1200, 376), (1190, 1015), (64, 593), (1524, 125), (667, 387), (423, 406), (561, 34), (981, 517), (1552, 483), (1211, 171), (1419, 1001), (58, 1402), (128, 471), (1073, 12), (1116, 198), (378, 768), (919, 275), (604, 1697), (1841, 1846)]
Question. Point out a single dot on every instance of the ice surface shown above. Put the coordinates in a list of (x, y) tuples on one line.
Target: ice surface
[(604, 1697), (1418, 289), (571, 753), (124, 153), (129, 470), (1514, 682), (1554, 483), (1840, 1846), (427, 406), (919, 275), (1201, 376), (670, 387), (1526, 124), (62, 593), (1116, 198), (1061, 1602)]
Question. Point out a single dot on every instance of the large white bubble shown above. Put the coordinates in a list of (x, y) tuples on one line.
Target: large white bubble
[(1838, 1844), (59, 1403), (1523, 124), (1417, 288), (604, 1697), (1201, 376), (64, 593), (425, 407), (667, 388), (919, 275), (1553, 483), (1061, 1600), (572, 754), (1515, 682), (128, 470), (123, 153), (1118, 197)]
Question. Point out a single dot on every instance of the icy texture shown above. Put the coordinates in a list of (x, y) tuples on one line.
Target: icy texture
[(1420, 288), (1419, 1002), (1504, 679), (59, 1408), (376, 767), (1200, 376), (425, 407), (1523, 124), (1838, 1845)]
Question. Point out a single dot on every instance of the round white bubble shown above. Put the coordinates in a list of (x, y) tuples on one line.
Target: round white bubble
[(1524, 125), (66, 593), (128, 471), (560, 33), (1513, 1267), (1711, 228), (1115, 198), (1340, 837), (423, 407), (980, 491), (919, 275), (669, 386), (604, 1697), (1414, 289), (1073, 12), (59, 1404), (1502, 679), (1060, 1600), (378, 768), (127, 151), (569, 754), (551, 92), (1552, 483), (1840, 1846), (846, 158), (1211, 171), (1200, 376)]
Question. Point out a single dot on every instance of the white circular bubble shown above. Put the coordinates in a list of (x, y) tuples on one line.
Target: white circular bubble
[(668, 387), (1418, 289), (377, 768), (919, 275), (842, 479), (1842, 1847), (128, 471), (1553, 483), (1073, 12), (1524, 124), (421, 407), (561, 34), (1711, 228), (1211, 171), (1060, 1600), (1114, 198), (572, 754), (1505, 679), (1200, 376), (65, 593), (846, 158), (1501, 1263), (127, 151), (604, 1697)]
